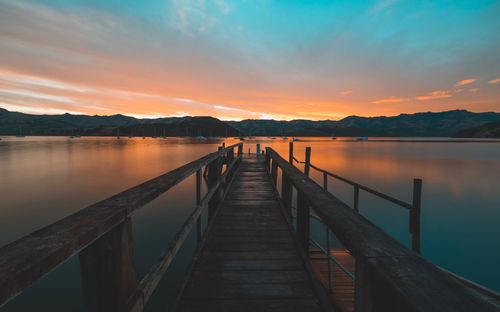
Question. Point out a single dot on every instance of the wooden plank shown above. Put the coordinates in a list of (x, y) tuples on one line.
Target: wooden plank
[(244, 255), (210, 290), (246, 305), (211, 264)]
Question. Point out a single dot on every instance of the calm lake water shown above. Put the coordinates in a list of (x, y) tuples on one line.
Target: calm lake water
[(43, 179)]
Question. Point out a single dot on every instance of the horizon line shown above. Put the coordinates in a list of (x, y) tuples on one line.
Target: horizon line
[(152, 117)]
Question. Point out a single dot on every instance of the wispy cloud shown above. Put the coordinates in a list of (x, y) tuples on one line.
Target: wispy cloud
[(494, 81), (475, 90), (346, 92), (465, 82), (392, 99), (434, 95), (382, 5)]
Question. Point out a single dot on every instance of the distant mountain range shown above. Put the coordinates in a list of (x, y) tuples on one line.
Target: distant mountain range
[(13, 123), (442, 124), (488, 130)]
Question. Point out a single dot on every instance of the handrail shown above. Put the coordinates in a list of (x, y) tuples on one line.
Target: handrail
[(384, 268), (340, 265), (360, 186), (365, 188), (28, 259), (414, 207)]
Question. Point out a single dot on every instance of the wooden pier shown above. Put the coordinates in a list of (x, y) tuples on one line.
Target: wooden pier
[(254, 254), (250, 260)]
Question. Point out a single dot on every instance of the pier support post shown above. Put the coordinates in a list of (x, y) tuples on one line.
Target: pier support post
[(356, 198), (274, 172), (258, 150), (268, 159), (286, 193), (198, 201), (214, 173), (372, 293), (290, 152), (107, 270), (307, 164), (303, 221), (415, 215), (230, 156)]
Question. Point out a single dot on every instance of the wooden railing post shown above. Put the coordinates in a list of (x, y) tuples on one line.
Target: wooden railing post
[(286, 193), (274, 172), (258, 150), (325, 181), (268, 159), (214, 172), (198, 201), (230, 155), (363, 287), (303, 221), (307, 164), (415, 215), (290, 152), (356, 198), (107, 270), (240, 149)]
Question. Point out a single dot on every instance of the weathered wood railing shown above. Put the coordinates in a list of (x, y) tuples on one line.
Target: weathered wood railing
[(388, 276), (101, 235), (414, 207)]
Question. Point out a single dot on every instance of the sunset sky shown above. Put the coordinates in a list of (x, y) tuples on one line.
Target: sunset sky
[(249, 59)]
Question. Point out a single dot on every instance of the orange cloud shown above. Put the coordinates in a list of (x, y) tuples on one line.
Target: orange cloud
[(465, 82), (434, 95), (346, 92), (494, 81), (392, 99), (475, 90)]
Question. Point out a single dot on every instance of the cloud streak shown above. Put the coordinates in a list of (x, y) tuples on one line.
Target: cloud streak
[(435, 95), (392, 99), (494, 81), (465, 82)]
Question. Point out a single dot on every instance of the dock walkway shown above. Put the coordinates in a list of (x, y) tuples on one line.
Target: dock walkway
[(250, 260)]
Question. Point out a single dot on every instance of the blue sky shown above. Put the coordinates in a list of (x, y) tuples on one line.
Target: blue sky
[(249, 59)]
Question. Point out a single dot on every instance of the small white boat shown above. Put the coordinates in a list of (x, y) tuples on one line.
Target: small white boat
[(200, 137), (295, 139), (362, 139)]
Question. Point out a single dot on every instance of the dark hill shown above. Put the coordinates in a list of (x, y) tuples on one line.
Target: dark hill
[(12, 123), (489, 130), (442, 124)]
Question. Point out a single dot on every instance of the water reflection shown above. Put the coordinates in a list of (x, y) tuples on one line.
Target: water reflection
[(44, 179)]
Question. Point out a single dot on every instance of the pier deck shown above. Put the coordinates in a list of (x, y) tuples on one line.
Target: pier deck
[(250, 260)]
